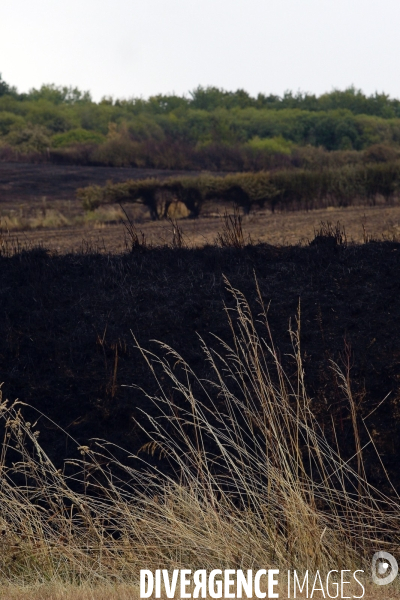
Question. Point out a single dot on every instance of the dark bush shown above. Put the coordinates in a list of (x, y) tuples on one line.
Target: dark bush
[(290, 189)]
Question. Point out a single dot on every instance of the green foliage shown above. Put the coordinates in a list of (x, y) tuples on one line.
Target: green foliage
[(55, 118), (143, 128), (211, 129), (59, 94), (75, 136), (5, 88), (32, 138), (9, 121), (211, 98), (91, 197), (162, 104), (116, 152), (275, 145)]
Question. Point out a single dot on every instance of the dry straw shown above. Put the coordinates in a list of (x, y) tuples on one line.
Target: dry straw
[(252, 481), (232, 235)]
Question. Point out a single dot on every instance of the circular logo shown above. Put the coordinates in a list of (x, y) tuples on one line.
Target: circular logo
[(384, 568)]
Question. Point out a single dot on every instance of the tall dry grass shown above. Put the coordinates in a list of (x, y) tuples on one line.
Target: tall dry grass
[(51, 218), (232, 235), (248, 480)]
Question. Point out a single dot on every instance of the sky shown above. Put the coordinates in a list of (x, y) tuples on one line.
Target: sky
[(132, 48)]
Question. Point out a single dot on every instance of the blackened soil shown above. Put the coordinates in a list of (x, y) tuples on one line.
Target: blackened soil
[(66, 345), (23, 181)]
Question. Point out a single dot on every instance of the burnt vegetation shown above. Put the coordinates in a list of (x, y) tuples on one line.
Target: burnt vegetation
[(67, 324)]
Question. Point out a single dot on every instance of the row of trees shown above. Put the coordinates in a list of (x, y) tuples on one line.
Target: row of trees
[(283, 190), (64, 124), (210, 98), (67, 124)]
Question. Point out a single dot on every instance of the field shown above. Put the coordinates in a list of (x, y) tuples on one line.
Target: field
[(293, 410), (39, 207)]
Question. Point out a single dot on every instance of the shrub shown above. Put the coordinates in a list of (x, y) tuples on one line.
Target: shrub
[(117, 152), (287, 189), (275, 145), (380, 153), (80, 154), (76, 136), (32, 138), (382, 179), (9, 121)]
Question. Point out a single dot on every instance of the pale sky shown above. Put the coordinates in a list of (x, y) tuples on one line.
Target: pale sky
[(125, 48)]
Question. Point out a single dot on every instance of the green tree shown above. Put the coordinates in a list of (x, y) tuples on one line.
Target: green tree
[(59, 94), (5, 88)]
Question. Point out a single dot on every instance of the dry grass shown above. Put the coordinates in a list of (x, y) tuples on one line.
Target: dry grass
[(62, 591), (335, 234), (178, 238), (252, 481), (134, 239), (51, 219), (361, 224), (58, 218), (232, 235)]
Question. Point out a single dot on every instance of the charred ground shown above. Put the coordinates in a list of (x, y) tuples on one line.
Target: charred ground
[(66, 345)]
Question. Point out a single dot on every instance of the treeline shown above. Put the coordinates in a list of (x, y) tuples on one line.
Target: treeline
[(209, 129), (284, 190), (210, 98)]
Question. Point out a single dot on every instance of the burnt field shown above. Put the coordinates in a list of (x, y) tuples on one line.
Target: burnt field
[(72, 298), (66, 324), (38, 206), (25, 182)]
